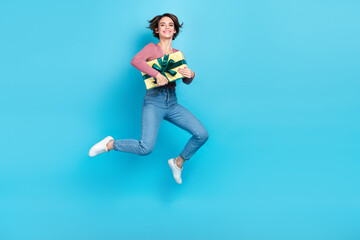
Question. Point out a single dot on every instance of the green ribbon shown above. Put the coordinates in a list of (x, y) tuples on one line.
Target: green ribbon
[(164, 66)]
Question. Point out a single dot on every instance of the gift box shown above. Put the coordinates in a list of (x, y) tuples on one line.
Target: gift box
[(167, 66)]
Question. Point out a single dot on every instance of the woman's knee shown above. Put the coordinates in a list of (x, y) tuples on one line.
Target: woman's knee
[(202, 135), (145, 149)]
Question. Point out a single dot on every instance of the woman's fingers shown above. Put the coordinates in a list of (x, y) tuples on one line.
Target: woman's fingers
[(184, 69), (162, 80), (186, 72)]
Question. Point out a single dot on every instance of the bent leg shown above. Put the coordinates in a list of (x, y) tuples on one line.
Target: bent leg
[(151, 119), (183, 118)]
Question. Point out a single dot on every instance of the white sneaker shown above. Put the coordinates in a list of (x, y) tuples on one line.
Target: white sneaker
[(176, 170), (100, 147)]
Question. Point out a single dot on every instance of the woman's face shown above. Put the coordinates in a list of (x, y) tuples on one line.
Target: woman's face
[(166, 28)]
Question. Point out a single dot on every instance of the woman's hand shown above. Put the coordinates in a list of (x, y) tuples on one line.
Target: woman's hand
[(186, 72), (161, 80)]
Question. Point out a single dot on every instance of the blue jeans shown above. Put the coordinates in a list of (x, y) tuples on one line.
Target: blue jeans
[(161, 103)]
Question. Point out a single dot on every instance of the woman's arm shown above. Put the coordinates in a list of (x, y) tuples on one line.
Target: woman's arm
[(188, 80), (187, 73), (139, 61)]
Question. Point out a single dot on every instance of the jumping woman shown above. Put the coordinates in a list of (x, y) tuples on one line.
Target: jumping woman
[(160, 102)]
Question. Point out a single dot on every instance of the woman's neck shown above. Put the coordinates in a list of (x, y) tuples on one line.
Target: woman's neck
[(165, 44)]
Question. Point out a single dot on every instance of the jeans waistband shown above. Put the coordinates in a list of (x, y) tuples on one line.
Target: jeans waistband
[(161, 89)]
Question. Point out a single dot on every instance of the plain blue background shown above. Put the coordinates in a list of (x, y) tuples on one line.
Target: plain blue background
[(277, 86)]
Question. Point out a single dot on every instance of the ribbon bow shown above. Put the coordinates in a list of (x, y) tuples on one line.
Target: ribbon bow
[(165, 66)]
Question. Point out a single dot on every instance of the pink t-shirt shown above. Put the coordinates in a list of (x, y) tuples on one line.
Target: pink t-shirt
[(148, 53)]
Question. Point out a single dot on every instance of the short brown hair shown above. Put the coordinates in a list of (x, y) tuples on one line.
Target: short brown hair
[(154, 23)]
